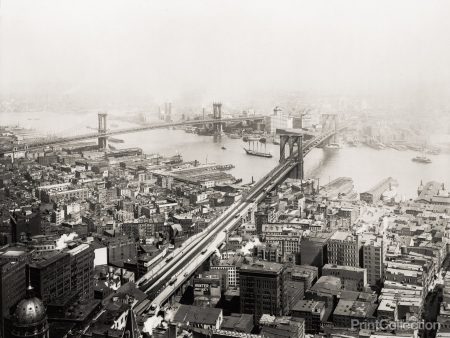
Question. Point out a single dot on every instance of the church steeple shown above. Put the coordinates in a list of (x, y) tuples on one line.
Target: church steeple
[(131, 328)]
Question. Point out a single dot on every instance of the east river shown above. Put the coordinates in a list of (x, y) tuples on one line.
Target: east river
[(366, 166)]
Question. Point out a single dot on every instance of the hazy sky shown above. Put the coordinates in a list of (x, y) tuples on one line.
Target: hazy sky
[(224, 48)]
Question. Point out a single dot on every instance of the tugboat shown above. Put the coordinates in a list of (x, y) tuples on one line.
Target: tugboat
[(223, 148), (255, 152), (421, 159)]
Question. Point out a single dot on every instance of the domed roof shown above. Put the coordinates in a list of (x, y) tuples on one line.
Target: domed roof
[(29, 311)]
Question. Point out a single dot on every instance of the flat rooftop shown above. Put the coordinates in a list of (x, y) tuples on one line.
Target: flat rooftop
[(262, 267), (304, 305), (354, 308), (341, 236)]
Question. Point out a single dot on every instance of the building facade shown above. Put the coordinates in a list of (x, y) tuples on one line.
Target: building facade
[(343, 249), (262, 289)]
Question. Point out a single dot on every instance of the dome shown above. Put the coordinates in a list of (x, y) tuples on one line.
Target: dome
[(29, 311)]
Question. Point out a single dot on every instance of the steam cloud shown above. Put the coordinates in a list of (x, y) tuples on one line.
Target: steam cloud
[(61, 243)]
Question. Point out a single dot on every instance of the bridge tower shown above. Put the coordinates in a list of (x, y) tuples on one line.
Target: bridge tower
[(168, 111), (102, 140), (292, 140), (217, 115), (329, 123)]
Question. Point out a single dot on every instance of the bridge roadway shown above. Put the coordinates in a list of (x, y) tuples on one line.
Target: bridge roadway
[(53, 141), (183, 262)]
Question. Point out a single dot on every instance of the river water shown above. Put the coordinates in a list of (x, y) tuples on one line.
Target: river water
[(366, 166)]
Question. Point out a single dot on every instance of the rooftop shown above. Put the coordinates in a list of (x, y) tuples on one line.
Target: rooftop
[(304, 305), (197, 315), (262, 266), (343, 267), (342, 236), (354, 308)]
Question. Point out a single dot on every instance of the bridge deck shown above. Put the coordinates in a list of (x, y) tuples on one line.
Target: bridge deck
[(175, 276), (87, 136)]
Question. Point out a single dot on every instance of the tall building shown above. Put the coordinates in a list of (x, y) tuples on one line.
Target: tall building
[(82, 271), (120, 248), (262, 289), (280, 120), (373, 251), (12, 287), (313, 250), (56, 276), (343, 249), (50, 275), (24, 224)]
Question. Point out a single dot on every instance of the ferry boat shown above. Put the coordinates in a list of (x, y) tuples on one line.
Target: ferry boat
[(421, 159)]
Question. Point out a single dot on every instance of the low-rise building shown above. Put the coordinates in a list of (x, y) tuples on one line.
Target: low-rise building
[(312, 312), (353, 278)]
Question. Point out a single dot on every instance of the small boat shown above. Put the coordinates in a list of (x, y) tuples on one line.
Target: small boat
[(115, 140), (333, 146), (433, 151), (223, 148), (421, 159)]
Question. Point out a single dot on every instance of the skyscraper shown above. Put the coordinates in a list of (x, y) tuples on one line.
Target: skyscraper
[(12, 287), (50, 275), (373, 258), (262, 289), (82, 270), (343, 249)]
